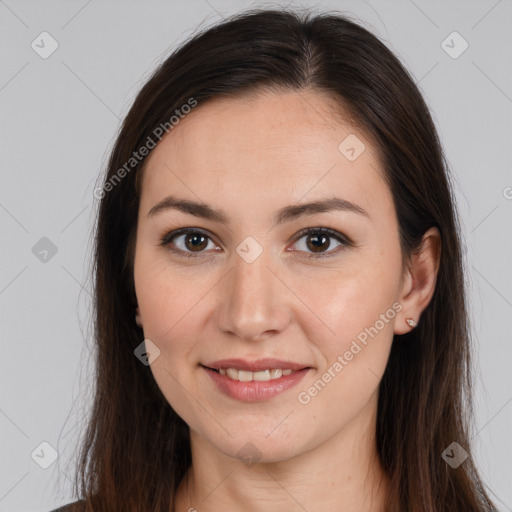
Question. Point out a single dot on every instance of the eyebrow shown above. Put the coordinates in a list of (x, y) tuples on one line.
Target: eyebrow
[(286, 214)]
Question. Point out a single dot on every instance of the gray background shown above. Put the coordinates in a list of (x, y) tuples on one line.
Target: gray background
[(59, 117)]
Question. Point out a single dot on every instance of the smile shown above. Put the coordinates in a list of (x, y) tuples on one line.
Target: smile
[(257, 386)]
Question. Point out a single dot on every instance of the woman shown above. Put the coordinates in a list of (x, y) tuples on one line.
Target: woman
[(277, 224)]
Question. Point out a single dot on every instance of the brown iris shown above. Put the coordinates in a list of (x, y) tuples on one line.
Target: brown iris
[(197, 241), (321, 242)]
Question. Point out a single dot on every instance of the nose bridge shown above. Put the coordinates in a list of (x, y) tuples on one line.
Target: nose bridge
[(253, 301)]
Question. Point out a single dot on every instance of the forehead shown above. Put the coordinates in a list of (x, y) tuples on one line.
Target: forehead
[(270, 145)]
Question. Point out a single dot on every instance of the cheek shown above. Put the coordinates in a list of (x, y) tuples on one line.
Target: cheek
[(173, 315), (352, 333), (351, 325), (168, 298), (344, 302), (173, 308)]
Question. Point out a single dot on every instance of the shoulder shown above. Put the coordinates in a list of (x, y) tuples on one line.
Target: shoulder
[(76, 506)]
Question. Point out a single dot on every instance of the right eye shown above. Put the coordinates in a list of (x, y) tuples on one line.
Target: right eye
[(186, 241)]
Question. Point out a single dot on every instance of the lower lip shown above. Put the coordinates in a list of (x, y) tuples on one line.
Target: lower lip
[(255, 391)]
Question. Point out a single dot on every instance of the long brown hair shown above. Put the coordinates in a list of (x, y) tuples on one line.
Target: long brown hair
[(136, 449)]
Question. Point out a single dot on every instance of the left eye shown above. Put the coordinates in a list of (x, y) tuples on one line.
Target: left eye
[(318, 240), (193, 242)]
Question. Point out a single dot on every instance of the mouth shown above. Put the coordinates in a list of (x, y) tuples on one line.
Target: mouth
[(247, 376), (254, 386), (260, 376), (261, 370)]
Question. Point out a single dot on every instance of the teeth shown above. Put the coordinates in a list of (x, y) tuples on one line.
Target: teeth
[(264, 375), (246, 376), (232, 373)]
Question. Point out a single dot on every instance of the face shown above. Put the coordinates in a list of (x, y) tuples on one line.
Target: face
[(250, 284)]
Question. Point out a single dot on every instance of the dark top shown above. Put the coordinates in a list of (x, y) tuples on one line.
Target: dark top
[(76, 506)]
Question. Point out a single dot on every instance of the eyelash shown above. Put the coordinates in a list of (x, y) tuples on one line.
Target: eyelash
[(345, 241)]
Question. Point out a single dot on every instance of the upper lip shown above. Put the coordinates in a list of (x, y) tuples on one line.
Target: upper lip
[(255, 366)]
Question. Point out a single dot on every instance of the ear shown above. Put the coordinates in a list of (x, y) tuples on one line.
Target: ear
[(419, 280), (138, 319)]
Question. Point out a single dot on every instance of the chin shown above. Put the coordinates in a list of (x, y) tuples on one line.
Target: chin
[(258, 448)]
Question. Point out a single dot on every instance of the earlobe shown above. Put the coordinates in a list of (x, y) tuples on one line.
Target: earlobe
[(421, 281)]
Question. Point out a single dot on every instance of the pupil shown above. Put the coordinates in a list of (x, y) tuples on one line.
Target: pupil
[(323, 238)]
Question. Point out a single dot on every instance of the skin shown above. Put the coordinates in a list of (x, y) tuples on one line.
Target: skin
[(250, 157)]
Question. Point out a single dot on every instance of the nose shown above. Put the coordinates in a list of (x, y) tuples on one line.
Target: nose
[(253, 302)]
